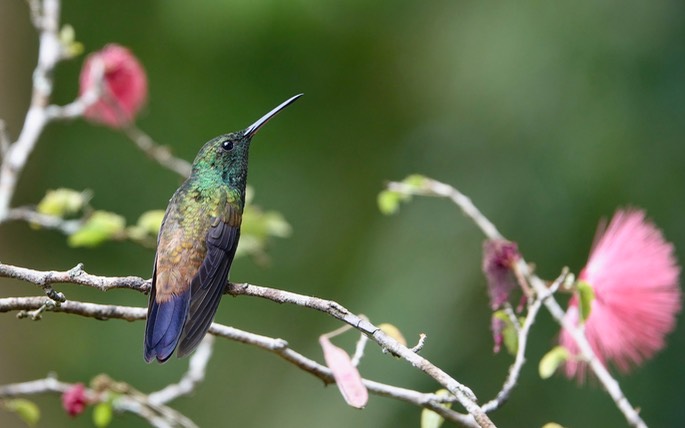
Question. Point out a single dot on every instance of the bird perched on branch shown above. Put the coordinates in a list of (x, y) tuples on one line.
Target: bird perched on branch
[(197, 243)]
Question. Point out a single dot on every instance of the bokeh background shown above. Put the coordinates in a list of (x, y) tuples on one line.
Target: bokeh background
[(550, 115)]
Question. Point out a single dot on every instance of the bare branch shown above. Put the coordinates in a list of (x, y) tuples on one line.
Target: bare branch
[(131, 400), (28, 215), (49, 54), (520, 359), (276, 346), (78, 276), (359, 349), (194, 376), (49, 384), (436, 188), (463, 394), (86, 309), (161, 154)]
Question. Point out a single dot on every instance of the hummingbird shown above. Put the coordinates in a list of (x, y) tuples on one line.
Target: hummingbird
[(197, 242)]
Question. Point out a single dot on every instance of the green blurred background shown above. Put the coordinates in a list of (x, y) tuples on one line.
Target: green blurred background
[(548, 114)]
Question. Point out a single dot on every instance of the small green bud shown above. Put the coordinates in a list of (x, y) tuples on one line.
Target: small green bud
[(551, 361), (586, 295), (102, 414), (27, 410)]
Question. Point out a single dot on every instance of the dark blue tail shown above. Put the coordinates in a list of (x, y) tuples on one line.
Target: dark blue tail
[(164, 326)]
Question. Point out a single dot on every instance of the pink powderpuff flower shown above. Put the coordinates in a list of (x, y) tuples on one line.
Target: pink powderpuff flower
[(74, 399), (124, 86), (634, 274)]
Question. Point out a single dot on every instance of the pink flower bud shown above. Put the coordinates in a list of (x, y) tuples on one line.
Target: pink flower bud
[(499, 257), (123, 90), (74, 399)]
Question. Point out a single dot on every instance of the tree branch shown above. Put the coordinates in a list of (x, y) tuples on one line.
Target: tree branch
[(50, 52), (130, 400), (277, 346), (161, 154)]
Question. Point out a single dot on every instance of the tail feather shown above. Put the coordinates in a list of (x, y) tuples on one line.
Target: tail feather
[(165, 323)]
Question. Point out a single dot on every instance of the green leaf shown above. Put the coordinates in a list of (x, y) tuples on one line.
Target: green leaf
[(430, 419), (389, 201), (67, 36), (510, 336), (551, 361), (27, 410), (102, 414), (62, 202), (100, 227), (586, 296)]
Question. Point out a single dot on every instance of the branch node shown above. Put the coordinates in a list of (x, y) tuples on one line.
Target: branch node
[(54, 294), (75, 271)]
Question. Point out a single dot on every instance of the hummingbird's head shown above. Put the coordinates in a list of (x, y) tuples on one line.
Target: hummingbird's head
[(226, 155)]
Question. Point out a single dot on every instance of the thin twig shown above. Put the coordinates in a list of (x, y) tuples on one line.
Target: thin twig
[(32, 217), (160, 154), (419, 346), (196, 374), (359, 349), (520, 359)]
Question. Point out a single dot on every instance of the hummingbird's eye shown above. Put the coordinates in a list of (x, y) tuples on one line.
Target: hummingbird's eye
[(227, 145)]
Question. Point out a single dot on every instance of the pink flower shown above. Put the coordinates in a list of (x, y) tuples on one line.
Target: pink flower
[(634, 275), (124, 86), (74, 399)]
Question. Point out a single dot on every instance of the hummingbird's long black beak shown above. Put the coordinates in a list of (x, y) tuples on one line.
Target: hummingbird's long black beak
[(252, 129)]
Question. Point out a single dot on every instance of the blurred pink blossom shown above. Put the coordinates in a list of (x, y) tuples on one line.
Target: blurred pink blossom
[(634, 274), (124, 86), (74, 399)]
